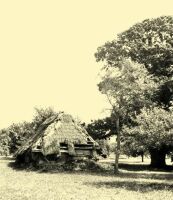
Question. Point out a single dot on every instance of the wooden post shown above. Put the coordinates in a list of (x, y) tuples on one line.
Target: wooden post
[(142, 155)]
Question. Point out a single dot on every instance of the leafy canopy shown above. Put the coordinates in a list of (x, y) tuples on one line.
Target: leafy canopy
[(101, 128), (149, 42), (18, 133), (128, 87), (153, 130)]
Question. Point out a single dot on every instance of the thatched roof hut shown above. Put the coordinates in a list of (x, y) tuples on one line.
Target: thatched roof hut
[(58, 136)]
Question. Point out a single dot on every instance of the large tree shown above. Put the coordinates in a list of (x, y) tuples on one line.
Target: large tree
[(128, 88), (150, 43), (153, 133)]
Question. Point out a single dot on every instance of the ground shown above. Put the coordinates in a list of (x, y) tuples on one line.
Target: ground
[(135, 181)]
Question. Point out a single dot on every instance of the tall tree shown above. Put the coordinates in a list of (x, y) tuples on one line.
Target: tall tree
[(150, 43), (128, 88)]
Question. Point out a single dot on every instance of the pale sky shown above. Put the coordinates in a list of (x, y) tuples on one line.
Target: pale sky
[(47, 52)]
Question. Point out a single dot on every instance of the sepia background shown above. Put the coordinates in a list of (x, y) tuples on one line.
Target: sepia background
[(47, 52)]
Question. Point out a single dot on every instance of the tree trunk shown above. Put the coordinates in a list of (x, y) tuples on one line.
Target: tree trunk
[(142, 156), (158, 158), (117, 149)]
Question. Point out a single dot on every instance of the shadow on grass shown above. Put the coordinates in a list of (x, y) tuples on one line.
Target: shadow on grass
[(139, 186), (92, 169), (141, 181), (128, 171), (148, 175), (18, 167), (142, 167)]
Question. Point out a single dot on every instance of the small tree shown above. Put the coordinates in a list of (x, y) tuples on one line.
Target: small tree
[(128, 88), (131, 148), (101, 128), (153, 133), (41, 114), (4, 142), (19, 133)]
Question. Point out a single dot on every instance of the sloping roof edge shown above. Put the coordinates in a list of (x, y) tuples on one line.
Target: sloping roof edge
[(38, 133), (43, 127)]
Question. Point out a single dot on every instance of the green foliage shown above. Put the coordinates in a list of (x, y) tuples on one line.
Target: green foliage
[(19, 133), (128, 87), (106, 147), (154, 130), (15, 135), (4, 143), (101, 128), (149, 42), (41, 114), (131, 147), (165, 94)]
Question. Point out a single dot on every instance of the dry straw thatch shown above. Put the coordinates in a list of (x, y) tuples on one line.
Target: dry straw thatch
[(61, 128)]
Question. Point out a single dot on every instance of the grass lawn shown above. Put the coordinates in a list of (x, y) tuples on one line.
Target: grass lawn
[(134, 182)]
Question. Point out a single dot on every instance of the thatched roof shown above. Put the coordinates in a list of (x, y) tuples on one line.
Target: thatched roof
[(55, 130)]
